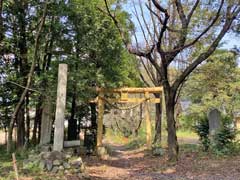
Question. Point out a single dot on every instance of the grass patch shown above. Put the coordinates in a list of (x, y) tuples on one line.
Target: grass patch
[(115, 137), (131, 142), (187, 134), (189, 148), (134, 142)]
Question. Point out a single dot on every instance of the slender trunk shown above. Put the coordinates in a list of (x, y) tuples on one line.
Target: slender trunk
[(94, 123), (20, 128), (140, 119), (6, 116), (72, 123), (37, 119), (5, 130), (27, 119), (158, 121), (18, 114), (173, 147), (39, 127), (29, 78), (1, 22)]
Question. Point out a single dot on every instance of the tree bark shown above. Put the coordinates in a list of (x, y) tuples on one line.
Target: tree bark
[(29, 79), (1, 23), (94, 123), (158, 121), (36, 120), (20, 128), (72, 123), (173, 147), (27, 119), (39, 127)]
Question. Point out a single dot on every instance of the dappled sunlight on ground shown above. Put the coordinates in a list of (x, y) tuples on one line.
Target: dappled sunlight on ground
[(140, 164)]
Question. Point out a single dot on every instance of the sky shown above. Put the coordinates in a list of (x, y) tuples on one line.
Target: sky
[(230, 40)]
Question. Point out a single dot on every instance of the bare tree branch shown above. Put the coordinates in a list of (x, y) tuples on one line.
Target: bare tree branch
[(209, 51), (160, 20), (159, 7), (146, 24), (143, 79), (19, 85), (124, 39), (203, 32), (147, 69), (164, 26), (141, 26), (153, 20), (181, 13), (192, 11)]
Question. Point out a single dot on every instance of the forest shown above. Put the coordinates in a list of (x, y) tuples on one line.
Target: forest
[(119, 89)]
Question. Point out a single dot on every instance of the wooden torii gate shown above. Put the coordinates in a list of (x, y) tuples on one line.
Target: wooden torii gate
[(124, 98)]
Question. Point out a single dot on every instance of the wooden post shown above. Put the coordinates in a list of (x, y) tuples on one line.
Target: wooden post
[(60, 108), (148, 122), (100, 119)]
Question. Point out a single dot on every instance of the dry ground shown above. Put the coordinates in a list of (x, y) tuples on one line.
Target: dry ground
[(140, 165), (125, 164)]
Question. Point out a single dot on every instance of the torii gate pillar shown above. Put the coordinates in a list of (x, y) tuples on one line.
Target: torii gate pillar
[(125, 99)]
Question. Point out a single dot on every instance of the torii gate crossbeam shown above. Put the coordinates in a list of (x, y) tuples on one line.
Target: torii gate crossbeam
[(124, 98)]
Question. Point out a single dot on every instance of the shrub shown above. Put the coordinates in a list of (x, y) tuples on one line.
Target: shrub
[(223, 141), (185, 122), (202, 129)]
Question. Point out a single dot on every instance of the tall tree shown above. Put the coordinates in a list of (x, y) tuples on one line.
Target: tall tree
[(188, 31), (29, 78), (214, 85)]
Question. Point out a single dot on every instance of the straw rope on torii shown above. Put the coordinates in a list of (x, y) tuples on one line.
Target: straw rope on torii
[(124, 108), (124, 98)]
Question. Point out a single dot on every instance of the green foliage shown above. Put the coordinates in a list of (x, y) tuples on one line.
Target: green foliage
[(214, 85), (202, 129), (132, 142), (76, 33), (187, 121), (223, 141)]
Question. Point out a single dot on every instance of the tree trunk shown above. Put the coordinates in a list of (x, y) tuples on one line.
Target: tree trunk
[(36, 120), (27, 119), (171, 125), (72, 123), (140, 119), (1, 22), (39, 127), (158, 121), (94, 122), (20, 128), (31, 72)]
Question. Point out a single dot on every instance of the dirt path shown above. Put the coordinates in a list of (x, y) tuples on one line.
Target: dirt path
[(139, 164)]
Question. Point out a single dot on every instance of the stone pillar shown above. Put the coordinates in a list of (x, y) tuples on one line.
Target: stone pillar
[(46, 125), (214, 119), (60, 108)]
